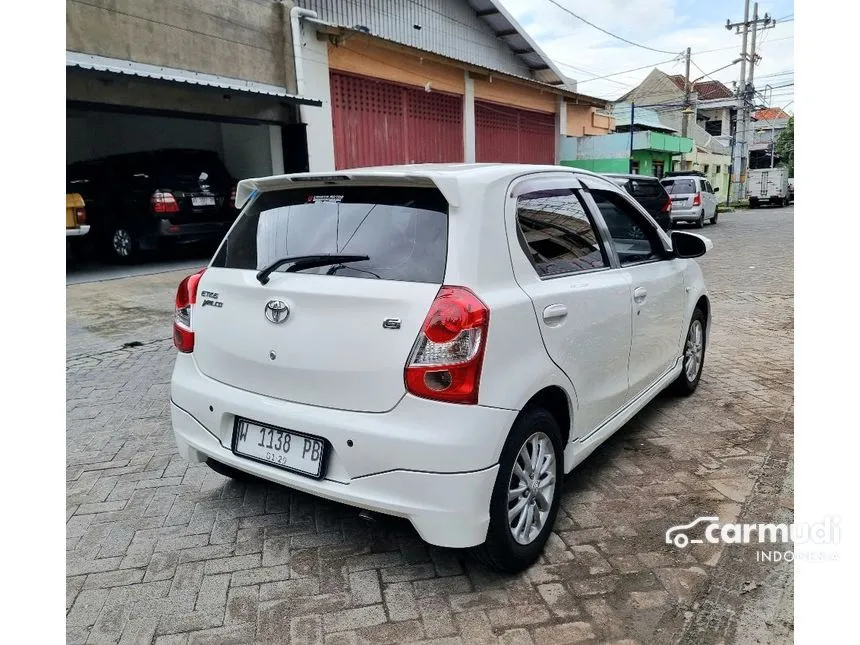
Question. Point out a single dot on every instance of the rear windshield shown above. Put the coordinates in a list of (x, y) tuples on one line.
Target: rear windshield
[(646, 188), (679, 186), (403, 230)]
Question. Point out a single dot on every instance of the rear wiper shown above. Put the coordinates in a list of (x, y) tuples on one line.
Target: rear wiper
[(301, 262)]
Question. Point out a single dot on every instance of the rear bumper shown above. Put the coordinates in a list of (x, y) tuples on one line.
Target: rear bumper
[(81, 230), (199, 230), (432, 463), (687, 214)]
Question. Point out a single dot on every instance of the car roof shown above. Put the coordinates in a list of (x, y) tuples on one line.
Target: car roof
[(621, 175), (674, 177), (453, 179)]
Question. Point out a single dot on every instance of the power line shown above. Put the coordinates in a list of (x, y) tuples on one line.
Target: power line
[(609, 33), (626, 71), (722, 49)]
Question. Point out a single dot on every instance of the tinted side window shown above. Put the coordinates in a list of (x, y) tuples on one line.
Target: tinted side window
[(404, 231), (557, 233), (633, 238)]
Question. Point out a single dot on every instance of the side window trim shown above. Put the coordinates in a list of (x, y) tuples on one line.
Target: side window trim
[(607, 252)]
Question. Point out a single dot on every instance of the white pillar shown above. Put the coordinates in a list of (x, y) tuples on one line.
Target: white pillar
[(560, 127), (469, 120), (276, 149), (316, 85)]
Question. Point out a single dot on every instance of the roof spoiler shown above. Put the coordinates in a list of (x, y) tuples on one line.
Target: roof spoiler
[(247, 187)]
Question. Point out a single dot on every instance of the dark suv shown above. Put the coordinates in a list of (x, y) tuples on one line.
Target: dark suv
[(649, 192), (139, 200)]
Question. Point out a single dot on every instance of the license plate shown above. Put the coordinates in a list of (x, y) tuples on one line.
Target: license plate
[(280, 448), (205, 200)]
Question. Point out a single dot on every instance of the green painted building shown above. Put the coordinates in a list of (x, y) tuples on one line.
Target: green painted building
[(654, 147)]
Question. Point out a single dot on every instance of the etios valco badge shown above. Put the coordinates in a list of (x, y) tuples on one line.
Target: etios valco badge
[(277, 311)]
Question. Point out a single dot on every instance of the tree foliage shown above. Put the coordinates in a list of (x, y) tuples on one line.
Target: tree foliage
[(784, 146)]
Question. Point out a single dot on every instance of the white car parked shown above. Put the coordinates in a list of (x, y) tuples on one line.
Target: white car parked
[(436, 342)]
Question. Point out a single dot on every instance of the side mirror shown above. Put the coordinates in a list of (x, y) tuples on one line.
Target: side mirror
[(689, 245), (716, 189)]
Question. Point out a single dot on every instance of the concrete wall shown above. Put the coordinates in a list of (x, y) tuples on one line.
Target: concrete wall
[(587, 120), (247, 39), (599, 165)]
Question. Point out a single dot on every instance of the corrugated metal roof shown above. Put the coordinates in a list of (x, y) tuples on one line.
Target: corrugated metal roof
[(130, 68), (478, 32), (643, 117)]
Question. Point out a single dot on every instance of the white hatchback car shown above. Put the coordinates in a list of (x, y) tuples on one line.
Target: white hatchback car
[(436, 342)]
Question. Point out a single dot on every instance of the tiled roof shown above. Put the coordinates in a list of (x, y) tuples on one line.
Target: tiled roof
[(707, 90), (770, 114)]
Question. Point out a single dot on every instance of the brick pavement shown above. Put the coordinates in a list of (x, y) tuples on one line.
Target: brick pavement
[(161, 551)]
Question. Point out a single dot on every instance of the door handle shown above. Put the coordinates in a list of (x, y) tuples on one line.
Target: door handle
[(639, 295), (554, 312)]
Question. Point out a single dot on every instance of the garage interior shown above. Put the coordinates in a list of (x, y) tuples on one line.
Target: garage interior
[(254, 134)]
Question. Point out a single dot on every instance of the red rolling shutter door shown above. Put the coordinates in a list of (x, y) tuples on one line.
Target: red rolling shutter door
[(379, 123), (506, 134)]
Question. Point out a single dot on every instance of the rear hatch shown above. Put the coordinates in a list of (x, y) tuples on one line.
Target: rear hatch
[(651, 195), (345, 329), (199, 182), (682, 192)]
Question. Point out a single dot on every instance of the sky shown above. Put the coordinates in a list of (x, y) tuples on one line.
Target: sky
[(583, 53)]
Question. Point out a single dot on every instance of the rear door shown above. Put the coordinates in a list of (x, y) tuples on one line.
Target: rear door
[(581, 304), (328, 347)]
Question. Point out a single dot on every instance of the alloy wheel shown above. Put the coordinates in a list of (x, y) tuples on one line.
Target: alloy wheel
[(531, 488), (122, 243), (694, 350)]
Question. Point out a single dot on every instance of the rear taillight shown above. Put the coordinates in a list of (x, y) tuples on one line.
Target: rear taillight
[(163, 202), (233, 197), (446, 360), (186, 296), (697, 200), (81, 215), (667, 207)]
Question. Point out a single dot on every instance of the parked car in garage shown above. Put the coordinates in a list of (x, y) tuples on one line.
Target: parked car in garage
[(448, 298), (649, 192), (139, 201), (693, 198)]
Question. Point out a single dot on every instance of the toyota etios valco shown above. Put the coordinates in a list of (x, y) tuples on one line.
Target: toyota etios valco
[(435, 342)]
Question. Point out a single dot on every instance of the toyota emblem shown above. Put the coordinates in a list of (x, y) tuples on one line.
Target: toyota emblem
[(277, 311)]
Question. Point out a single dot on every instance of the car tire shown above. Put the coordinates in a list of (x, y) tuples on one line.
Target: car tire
[(714, 218), (121, 244), (232, 473), (700, 223), (753, 203), (515, 539), (694, 351)]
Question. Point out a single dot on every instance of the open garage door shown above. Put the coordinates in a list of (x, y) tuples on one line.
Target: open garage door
[(513, 135), (247, 149), (380, 123)]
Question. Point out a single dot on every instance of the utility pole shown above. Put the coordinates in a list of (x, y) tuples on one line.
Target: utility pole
[(685, 116), (745, 94)]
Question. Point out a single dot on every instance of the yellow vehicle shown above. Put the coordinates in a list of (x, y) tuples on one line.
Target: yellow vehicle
[(76, 216)]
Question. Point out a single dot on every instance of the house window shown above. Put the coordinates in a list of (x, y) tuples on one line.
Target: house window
[(658, 169), (634, 168), (714, 127), (706, 168), (719, 169)]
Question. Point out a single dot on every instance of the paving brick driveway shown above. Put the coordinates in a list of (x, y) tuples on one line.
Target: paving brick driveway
[(160, 551)]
